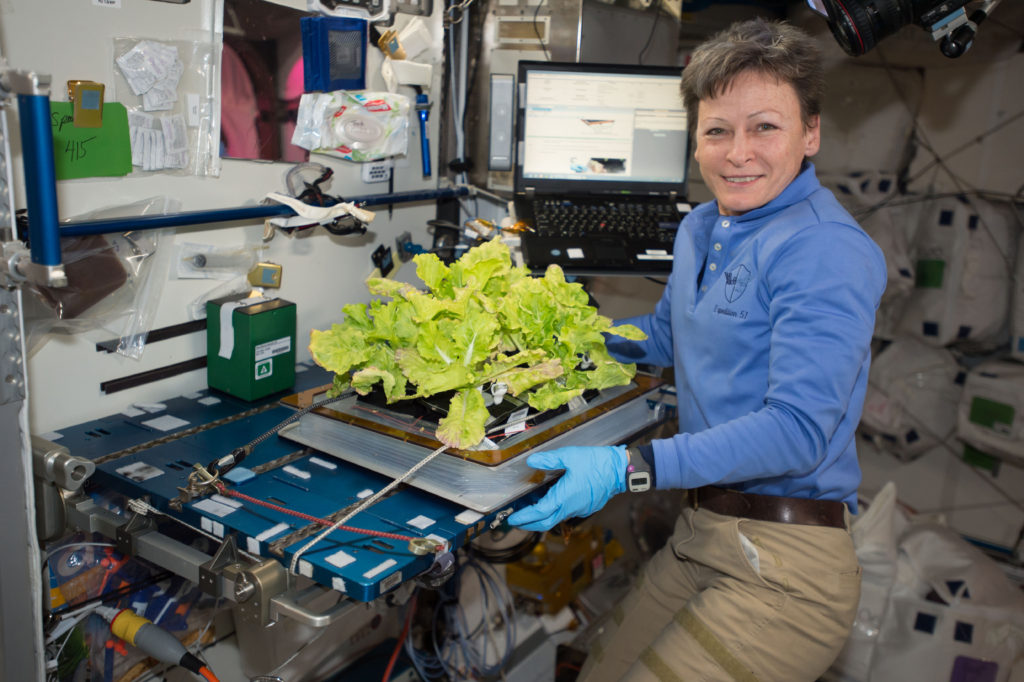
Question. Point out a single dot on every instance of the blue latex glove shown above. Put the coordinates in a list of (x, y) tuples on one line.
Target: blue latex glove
[(592, 476)]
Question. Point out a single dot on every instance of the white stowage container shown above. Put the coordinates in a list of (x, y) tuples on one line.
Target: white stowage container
[(963, 256), (912, 398), (991, 413)]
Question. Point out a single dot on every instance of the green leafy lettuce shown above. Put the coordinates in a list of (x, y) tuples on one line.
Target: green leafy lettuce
[(480, 322)]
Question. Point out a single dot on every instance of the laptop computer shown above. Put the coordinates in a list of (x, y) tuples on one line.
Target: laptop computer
[(601, 159)]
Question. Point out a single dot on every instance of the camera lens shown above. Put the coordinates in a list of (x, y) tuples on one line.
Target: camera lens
[(859, 25)]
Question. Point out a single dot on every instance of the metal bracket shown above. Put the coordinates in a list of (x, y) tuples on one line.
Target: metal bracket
[(12, 379), (226, 558), (255, 589), (128, 533)]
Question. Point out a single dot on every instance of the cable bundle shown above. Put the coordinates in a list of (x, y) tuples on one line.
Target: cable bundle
[(460, 651)]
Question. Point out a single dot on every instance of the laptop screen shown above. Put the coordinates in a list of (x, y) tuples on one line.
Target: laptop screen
[(598, 128)]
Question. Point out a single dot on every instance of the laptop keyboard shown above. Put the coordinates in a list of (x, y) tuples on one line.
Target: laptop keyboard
[(653, 223)]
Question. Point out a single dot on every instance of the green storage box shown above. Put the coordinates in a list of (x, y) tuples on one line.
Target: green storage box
[(250, 346)]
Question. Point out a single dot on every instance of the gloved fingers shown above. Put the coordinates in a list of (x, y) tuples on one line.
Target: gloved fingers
[(548, 461), (540, 526), (546, 511)]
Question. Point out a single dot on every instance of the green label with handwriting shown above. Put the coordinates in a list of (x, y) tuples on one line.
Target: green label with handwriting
[(90, 152)]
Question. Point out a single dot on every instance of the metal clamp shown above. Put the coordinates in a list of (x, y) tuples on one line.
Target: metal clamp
[(128, 534), (225, 557), (200, 484)]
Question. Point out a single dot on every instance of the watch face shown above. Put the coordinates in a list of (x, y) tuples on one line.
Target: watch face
[(638, 482)]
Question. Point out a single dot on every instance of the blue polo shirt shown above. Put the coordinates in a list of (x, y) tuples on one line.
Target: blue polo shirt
[(771, 351)]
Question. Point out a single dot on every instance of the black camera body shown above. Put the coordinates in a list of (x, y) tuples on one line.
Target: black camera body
[(858, 25)]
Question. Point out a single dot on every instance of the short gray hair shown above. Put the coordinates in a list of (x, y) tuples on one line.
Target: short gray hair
[(773, 48)]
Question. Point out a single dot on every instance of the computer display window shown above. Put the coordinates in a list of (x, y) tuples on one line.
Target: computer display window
[(614, 127)]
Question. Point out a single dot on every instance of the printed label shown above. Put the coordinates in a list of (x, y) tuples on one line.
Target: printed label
[(272, 348), (264, 369), (391, 581)]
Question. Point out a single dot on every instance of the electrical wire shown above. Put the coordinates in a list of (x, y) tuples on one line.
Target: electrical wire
[(940, 162), (461, 650), (650, 36), (540, 39), (410, 609)]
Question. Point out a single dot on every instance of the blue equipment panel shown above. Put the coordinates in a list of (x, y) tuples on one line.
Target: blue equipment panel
[(151, 455)]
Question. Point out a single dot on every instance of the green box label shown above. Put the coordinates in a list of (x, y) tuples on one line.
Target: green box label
[(264, 368), (929, 274), (993, 415)]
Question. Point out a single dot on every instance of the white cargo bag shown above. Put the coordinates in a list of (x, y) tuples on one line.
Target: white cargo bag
[(912, 398), (991, 412), (953, 614), (963, 257)]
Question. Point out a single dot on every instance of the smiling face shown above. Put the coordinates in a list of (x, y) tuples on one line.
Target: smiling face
[(751, 140)]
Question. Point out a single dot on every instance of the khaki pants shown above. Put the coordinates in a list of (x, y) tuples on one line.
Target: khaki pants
[(701, 610)]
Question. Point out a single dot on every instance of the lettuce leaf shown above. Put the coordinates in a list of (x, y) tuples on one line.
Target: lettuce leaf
[(480, 320)]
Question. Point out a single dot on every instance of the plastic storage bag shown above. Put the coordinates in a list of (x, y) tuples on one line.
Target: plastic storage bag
[(173, 119), (357, 126), (114, 282)]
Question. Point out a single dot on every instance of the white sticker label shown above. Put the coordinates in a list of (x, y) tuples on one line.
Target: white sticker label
[(380, 568), (272, 348), (515, 428), (295, 471), (209, 400), (139, 471), (210, 506), (517, 421), (192, 109), (323, 463), (653, 255), (265, 368), (421, 522), (468, 517), (272, 531), (574, 253), (165, 423), (341, 559), (116, 4)]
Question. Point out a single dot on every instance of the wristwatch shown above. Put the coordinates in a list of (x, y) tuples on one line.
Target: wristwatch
[(638, 472)]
